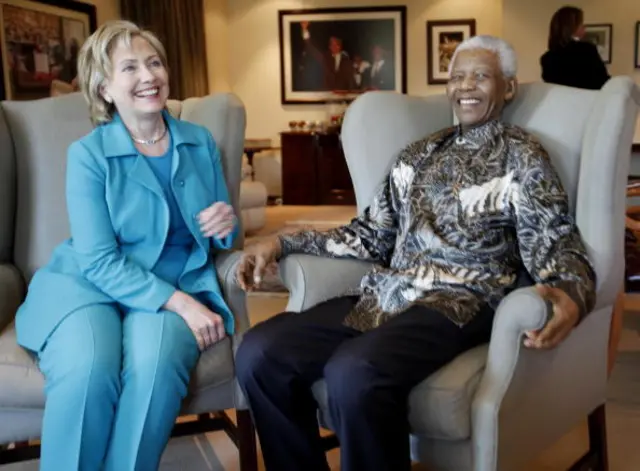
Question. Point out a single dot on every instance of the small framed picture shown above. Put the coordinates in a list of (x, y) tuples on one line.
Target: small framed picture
[(601, 35), (443, 37), (637, 54)]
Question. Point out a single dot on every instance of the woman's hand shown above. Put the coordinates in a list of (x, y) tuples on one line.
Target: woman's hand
[(217, 220), (206, 325)]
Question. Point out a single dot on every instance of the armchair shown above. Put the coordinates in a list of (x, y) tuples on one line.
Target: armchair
[(499, 405), (34, 137)]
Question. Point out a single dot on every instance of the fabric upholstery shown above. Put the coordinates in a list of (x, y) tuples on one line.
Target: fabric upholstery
[(470, 414), (34, 137)]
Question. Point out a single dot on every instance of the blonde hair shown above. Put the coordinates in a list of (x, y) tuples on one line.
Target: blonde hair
[(94, 63)]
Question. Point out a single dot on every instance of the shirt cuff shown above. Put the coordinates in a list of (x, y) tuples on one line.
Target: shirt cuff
[(578, 294)]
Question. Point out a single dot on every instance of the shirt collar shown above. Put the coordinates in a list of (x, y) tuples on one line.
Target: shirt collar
[(478, 136)]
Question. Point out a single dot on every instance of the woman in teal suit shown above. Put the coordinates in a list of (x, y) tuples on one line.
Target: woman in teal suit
[(119, 315)]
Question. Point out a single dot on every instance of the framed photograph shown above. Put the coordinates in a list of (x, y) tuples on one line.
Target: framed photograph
[(601, 35), (637, 54), (443, 37), (338, 53), (40, 41)]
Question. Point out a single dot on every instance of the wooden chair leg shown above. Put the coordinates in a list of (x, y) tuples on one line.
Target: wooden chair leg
[(615, 331), (247, 447), (597, 458), (598, 439)]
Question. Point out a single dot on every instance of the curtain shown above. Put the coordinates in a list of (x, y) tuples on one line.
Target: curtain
[(179, 24)]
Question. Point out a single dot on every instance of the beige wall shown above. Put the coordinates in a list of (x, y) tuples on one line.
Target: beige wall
[(217, 33), (105, 9), (526, 24), (254, 61)]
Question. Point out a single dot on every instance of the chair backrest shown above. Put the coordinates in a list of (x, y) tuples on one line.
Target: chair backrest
[(34, 138), (588, 135)]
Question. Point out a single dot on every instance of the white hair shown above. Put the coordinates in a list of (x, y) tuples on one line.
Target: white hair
[(504, 51)]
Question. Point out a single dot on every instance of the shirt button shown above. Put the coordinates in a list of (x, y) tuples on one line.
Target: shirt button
[(195, 216), (181, 183)]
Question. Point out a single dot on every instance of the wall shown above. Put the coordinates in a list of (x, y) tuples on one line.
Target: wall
[(217, 36), (106, 9), (254, 60), (526, 26)]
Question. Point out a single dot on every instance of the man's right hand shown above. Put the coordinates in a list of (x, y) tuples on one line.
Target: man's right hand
[(254, 262)]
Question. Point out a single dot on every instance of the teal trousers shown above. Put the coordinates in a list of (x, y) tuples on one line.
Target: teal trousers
[(114, 387)]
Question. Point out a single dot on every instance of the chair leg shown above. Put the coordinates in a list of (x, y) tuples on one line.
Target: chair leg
[(615, 331), (598, 438), (247, 441), (596, 459)]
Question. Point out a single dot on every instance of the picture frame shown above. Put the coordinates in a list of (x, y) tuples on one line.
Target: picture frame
[(39, 42), (443, 36), (601, 35), (636, 61), (335, 54)]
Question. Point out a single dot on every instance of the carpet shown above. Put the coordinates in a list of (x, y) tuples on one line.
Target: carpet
[(272, 283)]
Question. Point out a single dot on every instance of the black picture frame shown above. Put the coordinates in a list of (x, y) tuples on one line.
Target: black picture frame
[(601, 35), (437, 30), (636, 61), (305, 73), (77, 21)]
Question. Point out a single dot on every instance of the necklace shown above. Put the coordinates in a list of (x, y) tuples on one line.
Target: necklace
[(149, 142)]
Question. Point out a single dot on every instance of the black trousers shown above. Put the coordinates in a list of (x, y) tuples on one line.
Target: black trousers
[(368, 375)]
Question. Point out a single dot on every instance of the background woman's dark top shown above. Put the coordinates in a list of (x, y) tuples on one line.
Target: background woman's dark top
[(577, 64)]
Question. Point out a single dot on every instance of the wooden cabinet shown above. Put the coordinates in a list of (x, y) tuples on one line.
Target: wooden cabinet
[(314, 170)]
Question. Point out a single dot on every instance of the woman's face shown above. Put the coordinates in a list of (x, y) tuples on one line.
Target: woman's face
[(580, 30), (139, 82)]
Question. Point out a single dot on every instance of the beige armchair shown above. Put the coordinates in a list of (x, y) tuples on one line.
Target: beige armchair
[(34, 137), (498, 406)]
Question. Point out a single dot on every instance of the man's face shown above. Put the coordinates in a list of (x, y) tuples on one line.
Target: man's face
[(377, 53), (335, 45), (477, 87)]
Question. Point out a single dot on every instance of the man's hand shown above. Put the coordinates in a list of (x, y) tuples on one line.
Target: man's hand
[(254, 262), (565, 316)]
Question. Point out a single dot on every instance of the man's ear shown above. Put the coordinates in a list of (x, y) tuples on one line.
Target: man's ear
[(511, 90)]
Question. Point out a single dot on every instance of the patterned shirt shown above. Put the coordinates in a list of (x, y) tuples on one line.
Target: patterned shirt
[(457, 220)]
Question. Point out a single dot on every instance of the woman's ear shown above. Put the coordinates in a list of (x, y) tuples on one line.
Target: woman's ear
[(105, 94)]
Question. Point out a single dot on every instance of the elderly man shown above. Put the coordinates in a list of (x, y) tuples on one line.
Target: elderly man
[(459, 215)]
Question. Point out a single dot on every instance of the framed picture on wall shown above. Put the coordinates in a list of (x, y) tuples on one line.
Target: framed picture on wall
[(637, 48), (443, 37), (602, 36), (39, 41), (339, 53)]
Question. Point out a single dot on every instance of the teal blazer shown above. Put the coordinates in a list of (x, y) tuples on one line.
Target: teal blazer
[(119, 221)]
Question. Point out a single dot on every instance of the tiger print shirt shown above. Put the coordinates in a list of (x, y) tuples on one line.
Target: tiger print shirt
[(454, 223)]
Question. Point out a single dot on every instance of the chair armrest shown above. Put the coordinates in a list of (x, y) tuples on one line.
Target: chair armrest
[(311, 280), (535, 396), (226, 263), (11, 293)]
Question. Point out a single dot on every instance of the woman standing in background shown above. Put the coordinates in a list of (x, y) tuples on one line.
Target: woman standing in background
[(570, 60)]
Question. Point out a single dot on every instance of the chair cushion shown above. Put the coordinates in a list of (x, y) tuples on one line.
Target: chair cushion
[(252, 195), (440, 406), (22, 384)]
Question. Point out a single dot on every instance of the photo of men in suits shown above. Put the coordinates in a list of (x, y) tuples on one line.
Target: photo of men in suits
[(337, 67), (343, 56)]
